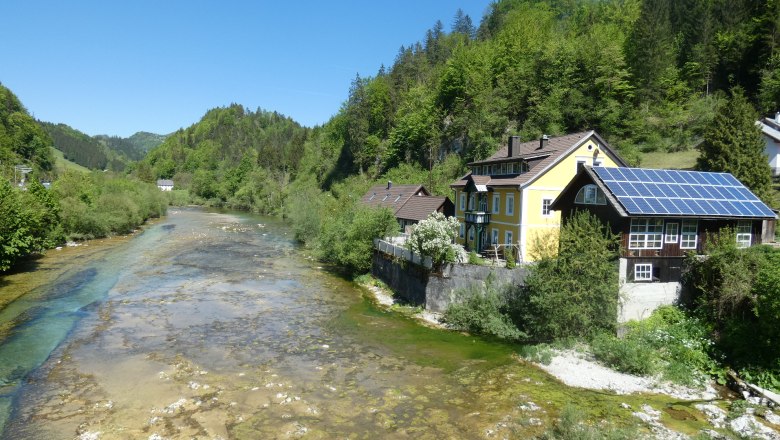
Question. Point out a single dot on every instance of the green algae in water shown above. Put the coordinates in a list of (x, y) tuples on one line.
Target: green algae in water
[(406, 337)]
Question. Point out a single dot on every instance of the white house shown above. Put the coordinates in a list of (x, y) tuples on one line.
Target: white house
[(165, 184), (771, 130)]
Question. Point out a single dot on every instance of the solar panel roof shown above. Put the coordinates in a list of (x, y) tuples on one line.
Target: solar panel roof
[(681, 193)]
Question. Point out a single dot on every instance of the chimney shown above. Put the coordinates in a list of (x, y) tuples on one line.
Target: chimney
[(389, 184), (514, 141), (543, 141)]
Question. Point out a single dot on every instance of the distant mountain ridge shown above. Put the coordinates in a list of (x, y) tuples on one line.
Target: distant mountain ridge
[(102, 151)]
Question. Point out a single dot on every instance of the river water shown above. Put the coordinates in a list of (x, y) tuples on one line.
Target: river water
[(215, 325)]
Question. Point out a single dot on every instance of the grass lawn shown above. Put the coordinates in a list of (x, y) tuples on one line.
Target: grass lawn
[(683, 160)]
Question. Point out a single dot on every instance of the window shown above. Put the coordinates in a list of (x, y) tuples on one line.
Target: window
[(590, 195), (495, 169), (688, 234), (462, 230), (546, 207), (496, 203), (483, 203), (646, 233), (508, 237), (471, 202), (471, 233), (503, 168), (744, 235), (643, 272), (580, 164), (523, 167), (510, 204), (462, 201), (672, 233), (494, 236)]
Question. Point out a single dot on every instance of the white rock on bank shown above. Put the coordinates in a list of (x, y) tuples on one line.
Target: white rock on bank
[(747, 426), (576, 370)]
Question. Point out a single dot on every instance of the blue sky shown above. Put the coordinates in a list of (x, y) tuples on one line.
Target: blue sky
[(106, 67)]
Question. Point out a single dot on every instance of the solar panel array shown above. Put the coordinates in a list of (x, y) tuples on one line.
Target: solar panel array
[(671, 192)]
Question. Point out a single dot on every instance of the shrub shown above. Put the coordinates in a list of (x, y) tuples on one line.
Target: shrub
[(510, 259), (628, 355), (575, 293), (483, 311), (433, 237)]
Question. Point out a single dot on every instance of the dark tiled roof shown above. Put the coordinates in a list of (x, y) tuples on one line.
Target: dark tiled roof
[(556, 147), (420, 207), (393, 198)]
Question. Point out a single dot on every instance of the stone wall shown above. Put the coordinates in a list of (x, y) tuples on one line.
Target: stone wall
[(638, 300), (417, 285)]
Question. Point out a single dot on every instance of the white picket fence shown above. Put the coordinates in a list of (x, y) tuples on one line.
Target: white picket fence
[(403, 253)]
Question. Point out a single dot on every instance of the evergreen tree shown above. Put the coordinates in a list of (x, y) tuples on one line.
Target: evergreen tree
[(733, 144)]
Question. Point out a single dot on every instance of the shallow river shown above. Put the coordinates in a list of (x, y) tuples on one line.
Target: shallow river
[(215, 325)]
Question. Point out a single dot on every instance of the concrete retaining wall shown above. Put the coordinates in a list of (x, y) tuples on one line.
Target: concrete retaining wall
[(638, 300), (418, 286)]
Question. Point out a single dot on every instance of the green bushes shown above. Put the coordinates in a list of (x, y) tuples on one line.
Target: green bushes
[(669, 342), (738, 292), (572, 425), (95, 205), (484, 311), (575, 293)]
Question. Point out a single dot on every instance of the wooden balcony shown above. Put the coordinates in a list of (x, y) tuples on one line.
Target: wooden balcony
[(477, 217)]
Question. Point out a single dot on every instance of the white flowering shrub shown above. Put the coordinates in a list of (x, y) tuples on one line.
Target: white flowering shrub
[(433, 238)]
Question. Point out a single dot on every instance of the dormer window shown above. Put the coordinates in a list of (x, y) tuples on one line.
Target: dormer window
[(372, 196), (590, 195), (503, 168), (398, 198), (386, 196)]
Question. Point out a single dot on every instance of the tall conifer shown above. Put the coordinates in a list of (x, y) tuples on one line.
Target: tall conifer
[(733, 143)]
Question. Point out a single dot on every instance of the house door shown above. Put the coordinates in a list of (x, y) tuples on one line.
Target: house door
[(483, 202), (482, 239)]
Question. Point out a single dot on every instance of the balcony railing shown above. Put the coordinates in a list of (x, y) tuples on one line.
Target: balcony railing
[(477, 217)]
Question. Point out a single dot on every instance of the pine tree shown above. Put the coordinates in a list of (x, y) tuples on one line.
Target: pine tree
[(733, 144)]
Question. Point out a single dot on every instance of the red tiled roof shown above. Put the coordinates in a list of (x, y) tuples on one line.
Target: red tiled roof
[(420, 207)]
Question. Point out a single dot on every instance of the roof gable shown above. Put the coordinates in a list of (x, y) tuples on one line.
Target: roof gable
[(554, 151), (393, 197), (420, 207)]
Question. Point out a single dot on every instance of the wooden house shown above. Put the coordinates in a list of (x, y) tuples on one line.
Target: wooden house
[(505, 199), (410, 203), (661, 215)]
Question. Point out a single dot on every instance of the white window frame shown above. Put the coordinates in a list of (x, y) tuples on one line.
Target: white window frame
[(546, 211), (672, 233), (689, 234), (580, 161), (496, 203), (643, 272), (510, 204), (462, 230), (508, 237), (590, 194), (472, 202), (462, 202), (744, 232), (494, 236), (646, 233)]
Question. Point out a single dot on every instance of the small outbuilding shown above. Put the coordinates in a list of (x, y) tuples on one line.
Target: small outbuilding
[(165, 184), (410, 203)]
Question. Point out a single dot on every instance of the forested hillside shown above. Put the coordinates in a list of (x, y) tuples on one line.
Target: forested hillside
[(232, 157), (100, 152), (22, 141)]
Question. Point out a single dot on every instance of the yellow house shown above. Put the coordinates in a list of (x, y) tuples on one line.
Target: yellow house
[(505, 199)]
